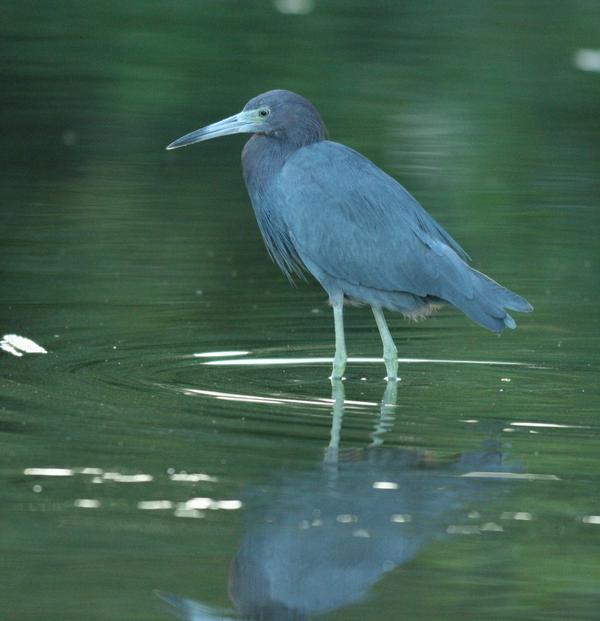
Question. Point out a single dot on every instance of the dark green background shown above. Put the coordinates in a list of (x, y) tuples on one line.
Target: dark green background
[(123, 260)]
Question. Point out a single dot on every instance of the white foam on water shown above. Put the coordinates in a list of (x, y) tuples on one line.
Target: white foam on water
[(19, 345)]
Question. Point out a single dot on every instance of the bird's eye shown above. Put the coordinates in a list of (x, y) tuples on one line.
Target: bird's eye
[(264, 112)]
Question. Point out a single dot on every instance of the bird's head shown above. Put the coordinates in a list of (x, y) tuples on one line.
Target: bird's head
[(281, 114)]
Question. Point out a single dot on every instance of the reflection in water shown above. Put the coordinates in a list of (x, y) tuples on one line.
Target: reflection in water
[(318, 540)]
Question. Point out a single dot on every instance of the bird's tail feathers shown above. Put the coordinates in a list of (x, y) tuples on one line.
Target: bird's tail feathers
[(490, 301)]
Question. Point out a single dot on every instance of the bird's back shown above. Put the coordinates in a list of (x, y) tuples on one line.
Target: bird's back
[(361, 233)]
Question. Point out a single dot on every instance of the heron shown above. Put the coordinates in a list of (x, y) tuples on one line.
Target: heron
[(323, 208)]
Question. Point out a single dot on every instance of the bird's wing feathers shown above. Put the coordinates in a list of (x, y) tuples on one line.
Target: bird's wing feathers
[(359, 224)]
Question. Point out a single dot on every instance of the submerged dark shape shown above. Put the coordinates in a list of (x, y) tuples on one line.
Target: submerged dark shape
[(324, 208)]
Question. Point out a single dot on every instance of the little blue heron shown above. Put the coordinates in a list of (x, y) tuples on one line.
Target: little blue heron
[(324, 208)]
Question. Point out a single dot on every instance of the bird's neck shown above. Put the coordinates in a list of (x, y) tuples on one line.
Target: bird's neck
[(262, 158)]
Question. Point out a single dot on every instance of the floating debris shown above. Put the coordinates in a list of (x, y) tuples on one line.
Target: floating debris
[(19, 345)]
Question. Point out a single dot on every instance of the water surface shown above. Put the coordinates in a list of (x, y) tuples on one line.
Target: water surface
[(180, 434)]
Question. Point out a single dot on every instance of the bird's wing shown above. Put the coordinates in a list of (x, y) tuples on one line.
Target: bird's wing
[(358, 224)]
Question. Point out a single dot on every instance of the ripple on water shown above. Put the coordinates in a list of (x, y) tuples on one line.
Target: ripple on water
[(269, 378)]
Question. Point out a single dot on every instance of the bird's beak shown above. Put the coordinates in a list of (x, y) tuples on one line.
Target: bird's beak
[(243, 122)]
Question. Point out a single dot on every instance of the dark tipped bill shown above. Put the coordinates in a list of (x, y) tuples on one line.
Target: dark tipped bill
[(242, 122)]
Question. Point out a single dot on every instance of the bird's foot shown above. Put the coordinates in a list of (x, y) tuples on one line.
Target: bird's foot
[(339, 366), (390, 395), (391, 365)]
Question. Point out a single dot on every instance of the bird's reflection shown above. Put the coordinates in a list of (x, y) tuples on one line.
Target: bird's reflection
[(318, 540)]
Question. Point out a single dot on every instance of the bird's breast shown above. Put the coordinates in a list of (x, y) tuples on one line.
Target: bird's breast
[(262, 162)]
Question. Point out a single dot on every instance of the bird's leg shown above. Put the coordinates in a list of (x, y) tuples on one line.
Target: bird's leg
[(337, 398), (390, 353), (339, 360)]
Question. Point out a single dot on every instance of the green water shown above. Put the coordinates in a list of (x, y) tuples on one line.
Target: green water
[(140, 270)]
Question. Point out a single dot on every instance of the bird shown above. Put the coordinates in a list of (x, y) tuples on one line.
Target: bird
[(324, 209)]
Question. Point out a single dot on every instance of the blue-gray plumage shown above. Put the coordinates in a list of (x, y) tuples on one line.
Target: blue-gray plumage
[(324, 208)]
